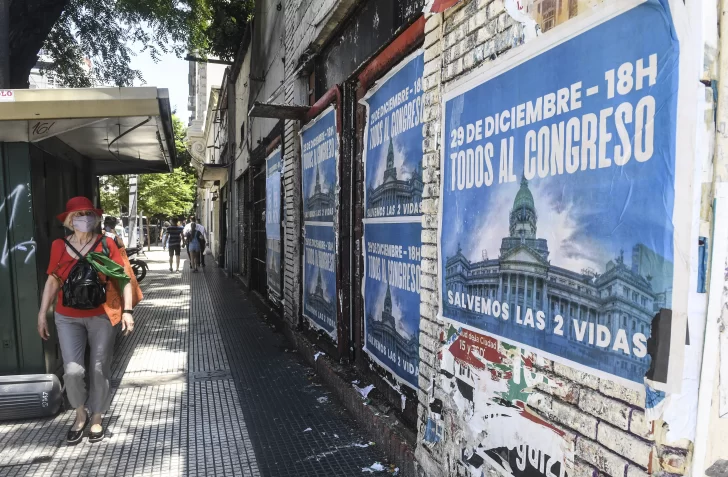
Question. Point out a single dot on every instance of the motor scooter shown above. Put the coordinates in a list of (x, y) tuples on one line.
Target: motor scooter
[(138, 266)]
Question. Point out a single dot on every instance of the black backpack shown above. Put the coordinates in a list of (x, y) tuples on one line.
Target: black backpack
[(83, 289)]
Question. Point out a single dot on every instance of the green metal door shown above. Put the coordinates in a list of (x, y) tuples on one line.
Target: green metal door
[(21, 350)]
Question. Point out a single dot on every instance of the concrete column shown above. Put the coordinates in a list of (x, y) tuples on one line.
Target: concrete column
[(508, 290)]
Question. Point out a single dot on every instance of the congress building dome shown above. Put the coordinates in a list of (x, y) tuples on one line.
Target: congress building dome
[(523, 214)]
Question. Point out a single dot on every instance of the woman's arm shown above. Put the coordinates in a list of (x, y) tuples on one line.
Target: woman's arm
[(49, 292), (127, 320)]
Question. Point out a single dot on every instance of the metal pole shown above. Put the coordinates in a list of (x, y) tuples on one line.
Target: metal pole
[(132, 238), (149, 235), (141, 231)]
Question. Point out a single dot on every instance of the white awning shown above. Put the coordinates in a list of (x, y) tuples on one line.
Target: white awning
[(122, 130), (213, 173)]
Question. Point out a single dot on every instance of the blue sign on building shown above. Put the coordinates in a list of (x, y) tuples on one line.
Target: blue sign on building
[(319, 277), (392, 297), (557, 199), (273, 223), (392, 223), (393, 142), (319, 178), (319, 157)]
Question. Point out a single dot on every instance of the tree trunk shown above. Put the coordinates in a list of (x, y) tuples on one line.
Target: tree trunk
[(4, 44), (31, 21)]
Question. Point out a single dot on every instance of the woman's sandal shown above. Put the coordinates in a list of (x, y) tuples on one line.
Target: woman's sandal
[(74, 437), (96, 436)]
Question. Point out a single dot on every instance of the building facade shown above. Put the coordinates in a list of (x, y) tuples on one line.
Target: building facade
[(482, 402)]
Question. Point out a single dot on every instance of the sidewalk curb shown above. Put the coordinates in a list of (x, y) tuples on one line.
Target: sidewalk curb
[(386, 431)]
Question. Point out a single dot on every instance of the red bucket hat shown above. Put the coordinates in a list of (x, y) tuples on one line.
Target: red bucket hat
[(77, 204)]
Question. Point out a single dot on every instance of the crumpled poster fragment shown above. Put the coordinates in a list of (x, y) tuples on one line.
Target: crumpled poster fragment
[(489, 383)]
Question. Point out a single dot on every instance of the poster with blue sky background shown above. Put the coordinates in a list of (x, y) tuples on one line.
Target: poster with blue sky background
[(392, 297), (319, 153), (558, 191), (393, 142), (319, 277), (273, 223)]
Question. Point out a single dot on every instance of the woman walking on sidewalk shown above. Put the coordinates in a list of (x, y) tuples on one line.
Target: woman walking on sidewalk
[(80, 314), (194, 242)]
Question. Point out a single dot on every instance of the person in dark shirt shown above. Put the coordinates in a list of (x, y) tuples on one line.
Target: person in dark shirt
[(174, 242)]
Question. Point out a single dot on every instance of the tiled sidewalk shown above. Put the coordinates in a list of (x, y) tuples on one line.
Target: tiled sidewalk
[(202, 387)]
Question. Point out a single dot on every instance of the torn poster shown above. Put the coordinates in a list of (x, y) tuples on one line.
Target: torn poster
[(519, 10), (392, 224), (538, 17), (558, 198), (490, 385), (273, 224)]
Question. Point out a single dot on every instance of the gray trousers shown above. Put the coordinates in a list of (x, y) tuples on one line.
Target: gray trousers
[(73, 334)]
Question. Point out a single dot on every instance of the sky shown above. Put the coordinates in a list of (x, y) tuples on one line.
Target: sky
[(171, 73)]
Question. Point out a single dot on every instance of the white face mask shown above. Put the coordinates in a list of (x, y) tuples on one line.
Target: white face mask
[(84, 223)]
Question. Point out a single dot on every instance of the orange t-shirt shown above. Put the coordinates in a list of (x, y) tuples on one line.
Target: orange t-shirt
[(61, 264)]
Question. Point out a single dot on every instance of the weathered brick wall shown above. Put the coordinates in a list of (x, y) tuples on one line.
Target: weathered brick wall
[(308, 25), (604, 421), (291, 176)]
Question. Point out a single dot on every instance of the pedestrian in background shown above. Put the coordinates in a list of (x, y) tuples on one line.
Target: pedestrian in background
[(111, 232), (194, 240), (203, 236), (78, 323), (165, 226), (174, 242)]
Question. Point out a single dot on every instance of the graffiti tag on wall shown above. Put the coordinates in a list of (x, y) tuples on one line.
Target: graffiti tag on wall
[(9, 207)]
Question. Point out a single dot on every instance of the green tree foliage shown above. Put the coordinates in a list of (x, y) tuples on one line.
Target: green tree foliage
[(167, 195), (160, 195), (114, 194), (106, 32), (225, 31)]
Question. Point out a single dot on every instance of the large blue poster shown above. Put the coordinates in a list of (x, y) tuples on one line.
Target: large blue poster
[(392, 223), (558, 175), (319, 277), (319, 181), (273, 223), (393, 138), (392, 297), (319, 149)]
